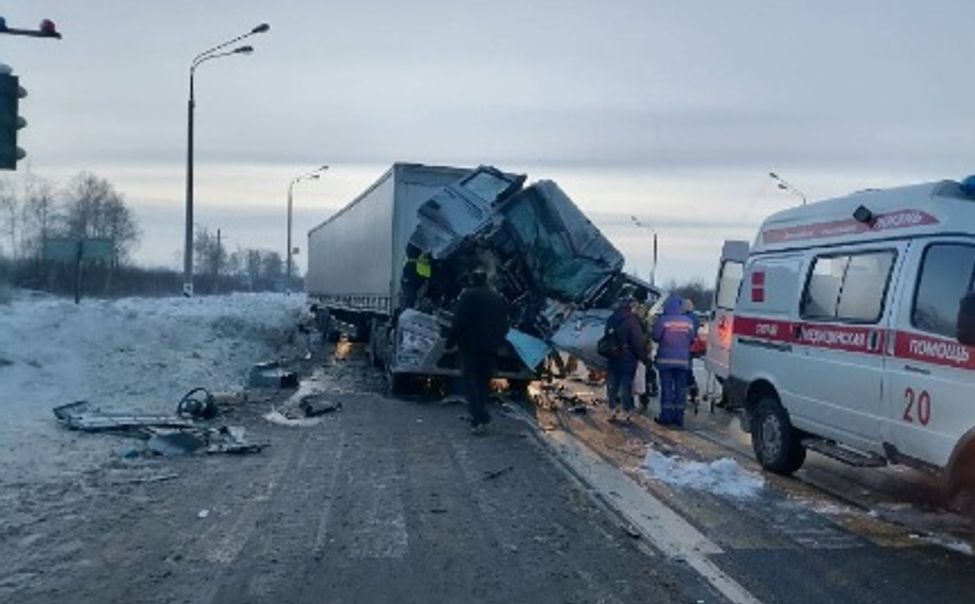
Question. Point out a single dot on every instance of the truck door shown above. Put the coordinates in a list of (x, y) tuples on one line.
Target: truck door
[(929, 382), (840, 336), (720, 326)]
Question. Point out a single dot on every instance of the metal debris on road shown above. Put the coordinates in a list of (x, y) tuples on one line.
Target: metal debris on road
[(269, 374), (492, 474), (165, 435), (81, 416), (314, 405)]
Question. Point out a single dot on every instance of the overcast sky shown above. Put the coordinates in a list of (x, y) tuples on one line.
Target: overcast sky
[(674, 111)]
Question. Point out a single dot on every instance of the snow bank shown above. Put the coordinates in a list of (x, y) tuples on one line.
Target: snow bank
[(128, 354), (721, 477)]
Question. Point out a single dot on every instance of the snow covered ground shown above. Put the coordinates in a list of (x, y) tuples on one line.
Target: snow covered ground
[(721, 477), (133, 354)]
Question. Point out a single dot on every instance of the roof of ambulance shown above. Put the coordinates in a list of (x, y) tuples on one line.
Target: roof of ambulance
[(933, 207)]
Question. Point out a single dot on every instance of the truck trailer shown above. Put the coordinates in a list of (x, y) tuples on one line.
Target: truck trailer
[(559, 272)]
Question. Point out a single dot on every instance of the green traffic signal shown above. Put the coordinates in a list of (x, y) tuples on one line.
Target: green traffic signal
[(10, 121)]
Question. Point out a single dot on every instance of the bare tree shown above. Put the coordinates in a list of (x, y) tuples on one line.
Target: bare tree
[(208, 251), (95, 209), (10, 215), (39, 216)]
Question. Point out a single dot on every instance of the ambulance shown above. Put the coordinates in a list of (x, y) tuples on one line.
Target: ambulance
[(845, 332)]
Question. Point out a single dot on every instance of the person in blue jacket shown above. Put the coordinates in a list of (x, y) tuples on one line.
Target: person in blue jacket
[(673, 332), (630, 339)]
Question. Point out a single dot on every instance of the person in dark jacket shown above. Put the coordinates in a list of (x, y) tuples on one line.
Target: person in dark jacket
[(673, 332), (642, 311), (479, 327), (631, 343), (687, 306)]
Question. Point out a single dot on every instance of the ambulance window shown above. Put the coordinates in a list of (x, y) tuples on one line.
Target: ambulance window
[(864, 285), (848, 288), (728, 283), (823, 289), (946, 276)]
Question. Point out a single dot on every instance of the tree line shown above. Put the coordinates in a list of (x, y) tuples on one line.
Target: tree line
[(35, 212)]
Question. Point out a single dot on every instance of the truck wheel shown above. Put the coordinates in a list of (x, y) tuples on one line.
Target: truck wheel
[(400, 384), (778, 446)]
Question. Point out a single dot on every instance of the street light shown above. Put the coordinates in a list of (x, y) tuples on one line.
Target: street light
[(785, 186), (313, 175), (653, 272), (213, 53)]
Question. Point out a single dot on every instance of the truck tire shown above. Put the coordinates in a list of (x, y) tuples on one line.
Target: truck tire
[(400, 384), (777, 444)]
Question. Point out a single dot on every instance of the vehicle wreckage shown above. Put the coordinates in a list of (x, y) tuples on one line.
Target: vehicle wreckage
[(560, 274)]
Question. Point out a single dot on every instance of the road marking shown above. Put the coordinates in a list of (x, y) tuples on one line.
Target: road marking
[(321, 531), (380, 521), (229, 547), (665, 529)]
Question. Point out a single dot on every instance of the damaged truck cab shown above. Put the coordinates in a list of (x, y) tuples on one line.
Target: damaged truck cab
[(538, 249)]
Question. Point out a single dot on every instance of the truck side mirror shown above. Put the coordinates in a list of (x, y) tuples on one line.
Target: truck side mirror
[(966, 320)]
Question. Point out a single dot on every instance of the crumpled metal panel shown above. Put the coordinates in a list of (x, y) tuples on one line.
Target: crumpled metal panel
[(461, 209), (580, 333)]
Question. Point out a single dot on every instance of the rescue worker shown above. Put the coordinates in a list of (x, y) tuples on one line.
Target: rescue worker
[(673, 332), (630, 343), (643, 312), (417, 271), (479, 327), (692, 390)]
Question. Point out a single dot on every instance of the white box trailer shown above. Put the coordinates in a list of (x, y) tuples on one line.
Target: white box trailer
[(355, 257)]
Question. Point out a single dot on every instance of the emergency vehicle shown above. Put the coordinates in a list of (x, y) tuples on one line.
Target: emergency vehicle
[(845, 332)]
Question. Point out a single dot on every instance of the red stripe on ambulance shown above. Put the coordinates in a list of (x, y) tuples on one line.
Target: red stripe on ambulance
[(901, 219)]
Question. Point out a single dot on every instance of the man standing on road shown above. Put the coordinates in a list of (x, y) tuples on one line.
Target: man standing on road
[(673, 332), (479, 328), (652, 390), (623, 326)]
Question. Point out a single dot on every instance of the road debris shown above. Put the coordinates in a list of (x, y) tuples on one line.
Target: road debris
[(165, 435), (492, 474), (281, 419), (269, 374), (81, 416), (203, 514), (314, 405)]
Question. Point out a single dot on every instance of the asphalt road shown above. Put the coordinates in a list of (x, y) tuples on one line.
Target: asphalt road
[(393, 501), (384, 501)]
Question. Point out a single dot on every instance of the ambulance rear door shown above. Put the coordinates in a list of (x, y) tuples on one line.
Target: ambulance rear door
[(720, 327)]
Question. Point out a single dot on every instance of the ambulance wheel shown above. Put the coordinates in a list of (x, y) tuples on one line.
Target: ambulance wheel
[(777, 445)]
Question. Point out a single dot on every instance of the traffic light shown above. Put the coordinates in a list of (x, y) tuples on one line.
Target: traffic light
[(10, 120)]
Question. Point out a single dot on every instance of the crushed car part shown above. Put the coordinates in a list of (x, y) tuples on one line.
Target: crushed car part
[(81, 416)]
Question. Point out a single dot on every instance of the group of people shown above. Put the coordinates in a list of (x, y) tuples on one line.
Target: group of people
[(634, 335)]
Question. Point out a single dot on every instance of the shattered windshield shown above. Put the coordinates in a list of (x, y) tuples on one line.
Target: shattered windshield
[(566, 255)]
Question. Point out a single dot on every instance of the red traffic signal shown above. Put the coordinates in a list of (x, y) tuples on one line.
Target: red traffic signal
[(49, 29)]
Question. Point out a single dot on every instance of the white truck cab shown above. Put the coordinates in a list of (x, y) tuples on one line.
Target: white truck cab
[(845, 336)]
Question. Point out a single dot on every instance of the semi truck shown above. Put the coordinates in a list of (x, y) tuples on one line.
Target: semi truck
[(559, 272)]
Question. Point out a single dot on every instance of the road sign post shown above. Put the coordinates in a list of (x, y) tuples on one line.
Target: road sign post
[(73, 251)]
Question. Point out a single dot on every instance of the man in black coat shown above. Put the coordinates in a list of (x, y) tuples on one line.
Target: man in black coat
[(479, 328)]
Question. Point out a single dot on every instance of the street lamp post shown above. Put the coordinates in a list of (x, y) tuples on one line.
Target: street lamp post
[(207, 55), (785, 186), (642, 225), (313, 175)]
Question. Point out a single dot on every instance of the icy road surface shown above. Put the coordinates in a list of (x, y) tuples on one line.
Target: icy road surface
[(133, 354)]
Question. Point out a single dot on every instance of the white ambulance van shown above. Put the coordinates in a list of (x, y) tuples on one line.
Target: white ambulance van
[(845, 336)]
